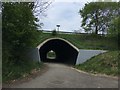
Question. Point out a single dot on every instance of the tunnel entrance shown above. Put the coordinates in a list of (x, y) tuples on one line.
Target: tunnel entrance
[(59, 51)]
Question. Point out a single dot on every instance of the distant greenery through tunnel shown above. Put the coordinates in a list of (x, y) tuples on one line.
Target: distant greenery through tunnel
[(51, 55)]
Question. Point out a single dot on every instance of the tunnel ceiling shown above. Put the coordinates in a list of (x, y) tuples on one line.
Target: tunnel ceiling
[(65, 53)]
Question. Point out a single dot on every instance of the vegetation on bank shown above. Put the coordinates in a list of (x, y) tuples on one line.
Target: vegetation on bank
[(20, 71), (84, 41), (106, 63), (19, 32)]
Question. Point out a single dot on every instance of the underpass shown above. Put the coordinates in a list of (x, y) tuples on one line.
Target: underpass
[(65, 53), (63, 76)]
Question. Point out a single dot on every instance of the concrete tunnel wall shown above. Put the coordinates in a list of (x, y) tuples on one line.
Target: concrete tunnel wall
[(65, 51)]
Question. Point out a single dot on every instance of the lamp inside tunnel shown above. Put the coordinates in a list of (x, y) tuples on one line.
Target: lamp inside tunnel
[(57, 50)]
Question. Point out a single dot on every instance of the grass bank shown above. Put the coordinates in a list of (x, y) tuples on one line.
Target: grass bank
[(84, 41), (19, 71), (106, 63)]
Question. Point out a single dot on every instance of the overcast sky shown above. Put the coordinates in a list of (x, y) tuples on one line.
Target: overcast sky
[(65, 13)]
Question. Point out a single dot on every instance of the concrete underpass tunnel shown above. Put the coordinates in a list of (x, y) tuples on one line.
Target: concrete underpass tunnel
[(63, 51)]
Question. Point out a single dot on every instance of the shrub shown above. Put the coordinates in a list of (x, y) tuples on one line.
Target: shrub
[(54, 32)]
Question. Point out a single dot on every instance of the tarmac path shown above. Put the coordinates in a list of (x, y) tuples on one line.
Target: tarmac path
[(63, 76)]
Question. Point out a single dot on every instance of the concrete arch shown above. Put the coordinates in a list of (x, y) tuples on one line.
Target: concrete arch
[(58, 39), (65, 51)]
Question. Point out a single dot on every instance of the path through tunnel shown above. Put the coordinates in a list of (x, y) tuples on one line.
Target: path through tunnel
[(65, 53)]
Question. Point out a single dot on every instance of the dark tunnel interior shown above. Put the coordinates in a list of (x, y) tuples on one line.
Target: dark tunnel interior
[(65, 53)]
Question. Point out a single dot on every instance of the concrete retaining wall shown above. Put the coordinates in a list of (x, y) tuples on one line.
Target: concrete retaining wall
[(84, 55), (33, 54)]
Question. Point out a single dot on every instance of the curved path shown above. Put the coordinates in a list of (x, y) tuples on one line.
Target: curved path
[(63, 76)]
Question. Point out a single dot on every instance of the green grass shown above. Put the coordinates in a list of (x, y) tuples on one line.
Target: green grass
[(106, 63), (18, 71), (84, 41)]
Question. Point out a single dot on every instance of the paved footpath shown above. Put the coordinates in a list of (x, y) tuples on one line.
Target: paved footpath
[(63, 76)]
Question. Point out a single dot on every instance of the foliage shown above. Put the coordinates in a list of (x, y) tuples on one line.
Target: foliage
[(18, 33), (54, 33), (16, 71), (114, 29), (51, 55), (98, 15), (106, 63)]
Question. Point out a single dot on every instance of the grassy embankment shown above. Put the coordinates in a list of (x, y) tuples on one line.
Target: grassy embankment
[(106, 63), (83, 41), (20, 71)]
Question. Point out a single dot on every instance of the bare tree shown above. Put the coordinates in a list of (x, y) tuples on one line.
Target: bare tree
[(39, 10), (40, 7)]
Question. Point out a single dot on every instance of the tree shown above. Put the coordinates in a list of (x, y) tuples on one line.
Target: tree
[(114, 29), (19, 33), (98, 15), (18, 30), (40, 7)]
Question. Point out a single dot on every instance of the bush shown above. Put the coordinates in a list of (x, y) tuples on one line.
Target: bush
[(54, 33), (18, 33), (114, 30), (12, 72)]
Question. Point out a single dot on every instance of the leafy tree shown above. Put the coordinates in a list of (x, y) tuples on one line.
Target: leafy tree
[(114, 29), (18, 31), (98, 15)]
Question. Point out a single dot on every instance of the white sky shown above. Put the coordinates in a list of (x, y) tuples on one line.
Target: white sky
[(64, 13)]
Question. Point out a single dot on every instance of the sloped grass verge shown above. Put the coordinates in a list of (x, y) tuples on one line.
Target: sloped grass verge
[(84, 41), (19, 71), (105, 63)]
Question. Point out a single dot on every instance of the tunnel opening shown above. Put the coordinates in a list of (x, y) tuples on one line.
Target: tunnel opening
[(51, 55), (64, 52)]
